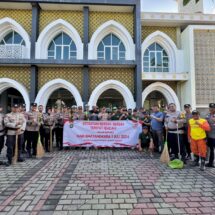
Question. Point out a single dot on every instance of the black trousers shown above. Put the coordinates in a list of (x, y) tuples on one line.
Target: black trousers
[(211, 145), (59, 137), (11, 143), (47, 140), (187, 144), (158, 139), (24, 140), (32, 139), (54, 135), (42, 135), (172, 139), (1, 143)]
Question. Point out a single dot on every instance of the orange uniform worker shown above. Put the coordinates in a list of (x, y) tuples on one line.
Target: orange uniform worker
[(197, 135)]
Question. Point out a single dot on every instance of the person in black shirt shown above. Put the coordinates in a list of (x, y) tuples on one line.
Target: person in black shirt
[(145, 119), (116, 114), (124, 115), (146, 141)]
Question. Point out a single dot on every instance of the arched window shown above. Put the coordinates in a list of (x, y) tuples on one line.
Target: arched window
[(12, 46), (111, 48), (13, 38), (155, 59), (62, 47)]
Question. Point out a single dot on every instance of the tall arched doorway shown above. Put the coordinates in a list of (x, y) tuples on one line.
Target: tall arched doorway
[(115, 85), (9, 97), (60, 86), (155, 98), (164, 90), (61, 97), (111, 98), (12, 92)]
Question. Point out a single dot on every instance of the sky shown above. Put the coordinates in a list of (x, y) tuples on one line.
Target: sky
[(171, 6)]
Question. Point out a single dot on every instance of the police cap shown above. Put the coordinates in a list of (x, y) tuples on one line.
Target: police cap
[(187, 106), (212, 105), (15, 105), (34, 104)]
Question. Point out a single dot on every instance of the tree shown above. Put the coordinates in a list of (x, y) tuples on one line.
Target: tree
[(185, 2)]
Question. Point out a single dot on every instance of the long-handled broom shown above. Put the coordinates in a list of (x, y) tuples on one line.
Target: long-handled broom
[(40, 149), (165, 154)]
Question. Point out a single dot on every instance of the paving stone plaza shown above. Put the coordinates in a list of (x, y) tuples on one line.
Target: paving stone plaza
[(104, 182)]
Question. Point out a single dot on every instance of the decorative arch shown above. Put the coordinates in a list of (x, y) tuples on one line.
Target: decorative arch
[(166, 42), (52, 30), (6, 83), (120, 31), (7, 25), (166, 90), (46, 91), (116, 85)]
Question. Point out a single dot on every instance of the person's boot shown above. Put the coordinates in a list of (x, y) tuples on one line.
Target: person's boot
[(196, 160), (210, 165), (9, 162), (20, 159), (202, 165)]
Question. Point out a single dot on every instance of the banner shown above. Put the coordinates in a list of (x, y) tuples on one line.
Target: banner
[(101, 133)]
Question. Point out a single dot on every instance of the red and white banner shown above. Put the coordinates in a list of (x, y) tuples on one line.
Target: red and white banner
[(101, 133)]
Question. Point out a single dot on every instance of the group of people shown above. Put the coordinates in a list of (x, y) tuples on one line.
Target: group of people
[(184, 131)]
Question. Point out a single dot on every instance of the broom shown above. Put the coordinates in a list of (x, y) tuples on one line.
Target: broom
[(40, 149), (165, 154), (15, 157)]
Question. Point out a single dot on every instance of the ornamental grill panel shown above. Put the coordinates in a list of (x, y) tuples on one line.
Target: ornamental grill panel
[(75, 18), (12, 51), (98, 18), (170, 31), (72, 75), (23, 17), (99, 75), (204, 49), (20, 74)]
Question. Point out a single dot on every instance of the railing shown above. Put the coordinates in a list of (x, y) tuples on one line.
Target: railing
[(12, 51)]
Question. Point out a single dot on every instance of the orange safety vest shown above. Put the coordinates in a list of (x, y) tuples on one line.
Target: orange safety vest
[(197, 132)]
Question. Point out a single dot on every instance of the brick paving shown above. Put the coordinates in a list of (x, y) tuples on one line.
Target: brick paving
[(104, 182)]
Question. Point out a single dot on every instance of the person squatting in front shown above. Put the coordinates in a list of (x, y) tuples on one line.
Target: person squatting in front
[(145, 142), (197, 134)]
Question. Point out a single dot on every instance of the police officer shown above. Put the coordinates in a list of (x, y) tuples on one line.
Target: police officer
[(32, 129), (24, 133), (2, 129), (174, 124), (15, 123), (49, 123), (62, 117), (55, 129), (80, 114), (41, 130), (211, 134)]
